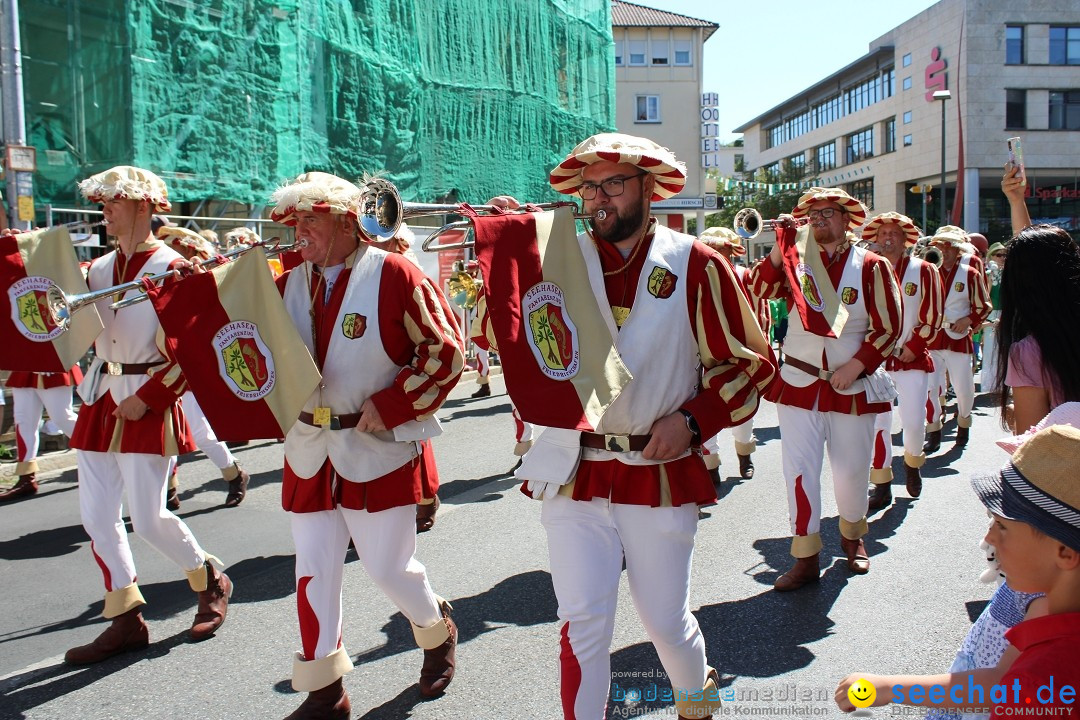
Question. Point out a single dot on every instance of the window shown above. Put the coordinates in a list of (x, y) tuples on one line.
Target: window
[(683, 52), (618, 53), (648, 109), (907, 83), (1064, 45), (660, 51), (907, 141), (860, 145), (877, 87), (794, 167), (1065, 110), (740, 163), (907, 60), (863, 191), (772, 172), (890, 135), (1016, 109), (869, 91), (1014, 44), (907, 118), (637, 52), (825, 156)]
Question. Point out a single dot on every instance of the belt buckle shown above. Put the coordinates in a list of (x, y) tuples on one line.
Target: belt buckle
[(826, 375), (114, 368), (335, 422), (617, 443)]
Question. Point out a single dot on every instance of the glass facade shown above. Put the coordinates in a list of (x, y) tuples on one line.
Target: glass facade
[(1064, 45), (860, 145), (872, 90)]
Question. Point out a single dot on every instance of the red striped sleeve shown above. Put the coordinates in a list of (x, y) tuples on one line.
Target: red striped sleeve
[(167, 382), (931, 309), (767, 282), (884, 311), (979, 292)]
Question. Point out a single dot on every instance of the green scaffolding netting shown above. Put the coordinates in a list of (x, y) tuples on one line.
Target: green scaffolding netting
[(452, 99)]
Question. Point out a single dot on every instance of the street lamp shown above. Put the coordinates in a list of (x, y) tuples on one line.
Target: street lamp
[(942, 95)]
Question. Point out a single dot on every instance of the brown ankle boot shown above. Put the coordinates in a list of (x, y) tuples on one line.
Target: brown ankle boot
[(746, 466), (483, 392), (913, 481), (126, 633), (858, 561), (213, 604), (933, 442), (425, 515), (880, 496), (328, 703), (439, 663), (26, 486), (962, 435), (237, 485), (805, 571)]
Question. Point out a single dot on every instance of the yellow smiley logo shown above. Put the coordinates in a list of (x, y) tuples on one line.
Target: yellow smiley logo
[(862, 694)]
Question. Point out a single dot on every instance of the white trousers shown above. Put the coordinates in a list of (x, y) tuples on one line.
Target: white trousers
[(744, 444), (911, 386), (587, 542), (29, 403), (805, 435), (523, 432), (483, 368), (204, 436), (385, 542), (103, 478), (988, 373), (958, 365)]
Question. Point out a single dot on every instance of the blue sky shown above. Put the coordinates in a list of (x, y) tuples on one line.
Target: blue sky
[(768, 50)]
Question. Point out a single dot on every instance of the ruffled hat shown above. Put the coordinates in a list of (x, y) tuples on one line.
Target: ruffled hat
[(242, 236), (176, 235), (670, 174), (314, 192), (855, 210), (951, 235), (911, 231), (125, 182), (721, 237)]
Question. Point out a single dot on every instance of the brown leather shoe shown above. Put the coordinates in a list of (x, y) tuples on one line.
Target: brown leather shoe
[(438, 669), (213, 604), (858, 561), (237, 488), (425, 515), (806, 571), (962, 435), (880, 496), (25, 487), (126, 633), (484, 391), (913, 481), (746, 466), (328, 703), (933, 442)]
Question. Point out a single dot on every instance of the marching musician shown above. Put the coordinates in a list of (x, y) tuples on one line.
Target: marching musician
[(390, 352), (687, 334), (844, 323), (130, 426), (910, 364), (967, 305)]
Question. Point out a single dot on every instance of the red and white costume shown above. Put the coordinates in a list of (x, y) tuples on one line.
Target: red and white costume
[(31, 392), (815, 417), (524, 431), (966, 295), (381, 331)]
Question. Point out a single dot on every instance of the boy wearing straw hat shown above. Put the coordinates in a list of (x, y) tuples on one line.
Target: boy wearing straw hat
[(910, 364), (130, 427), (845, 321), (967, 305)]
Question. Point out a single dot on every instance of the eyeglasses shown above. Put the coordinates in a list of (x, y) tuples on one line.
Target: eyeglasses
[(612, 187), (823, 213), (998, 255)]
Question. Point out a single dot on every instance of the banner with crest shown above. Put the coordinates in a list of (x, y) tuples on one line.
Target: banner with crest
[(30, 338), (242, 357), (558, 357)]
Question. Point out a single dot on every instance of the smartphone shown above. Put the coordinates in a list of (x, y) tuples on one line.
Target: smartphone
[(1016, 157)]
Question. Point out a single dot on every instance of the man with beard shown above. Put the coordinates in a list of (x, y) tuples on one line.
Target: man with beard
[(910, 364), (844, 323), (699, 361), (967, 305)]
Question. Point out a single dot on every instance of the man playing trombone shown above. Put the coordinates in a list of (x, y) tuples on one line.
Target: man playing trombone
[(130, 426)]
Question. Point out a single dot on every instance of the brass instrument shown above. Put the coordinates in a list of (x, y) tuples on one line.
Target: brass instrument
[(748, 223), (463, 288)]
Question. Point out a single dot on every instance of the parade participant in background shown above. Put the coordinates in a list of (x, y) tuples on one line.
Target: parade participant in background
[(988, 371), (194, 247), (728, 243), (638, 501), (241, 237), (30, 393), (846, 322), (211, 237), (910, 364), (967, 305), (130, 426), (389, 351)]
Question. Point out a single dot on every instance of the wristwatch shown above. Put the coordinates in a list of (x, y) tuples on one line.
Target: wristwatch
[(691, 424)]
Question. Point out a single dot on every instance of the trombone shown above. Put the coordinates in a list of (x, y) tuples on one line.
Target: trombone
[(62, 306)]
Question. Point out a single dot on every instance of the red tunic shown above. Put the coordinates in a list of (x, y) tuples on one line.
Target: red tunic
[(928, 321), (44, 381), (979, 298)]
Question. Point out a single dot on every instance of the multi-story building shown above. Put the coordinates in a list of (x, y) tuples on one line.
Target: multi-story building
[(658, 94), (875, 126)]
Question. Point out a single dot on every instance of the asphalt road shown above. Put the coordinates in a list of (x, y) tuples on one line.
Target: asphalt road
[(779, 654)]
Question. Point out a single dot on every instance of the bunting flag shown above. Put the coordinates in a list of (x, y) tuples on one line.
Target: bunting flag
[(558, 356), (815, 298), (242, 356), (30, 339)]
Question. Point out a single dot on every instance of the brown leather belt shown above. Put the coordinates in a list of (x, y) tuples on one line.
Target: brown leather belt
[(615, 443), (115, 368), (817, 372), (337, 422)]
